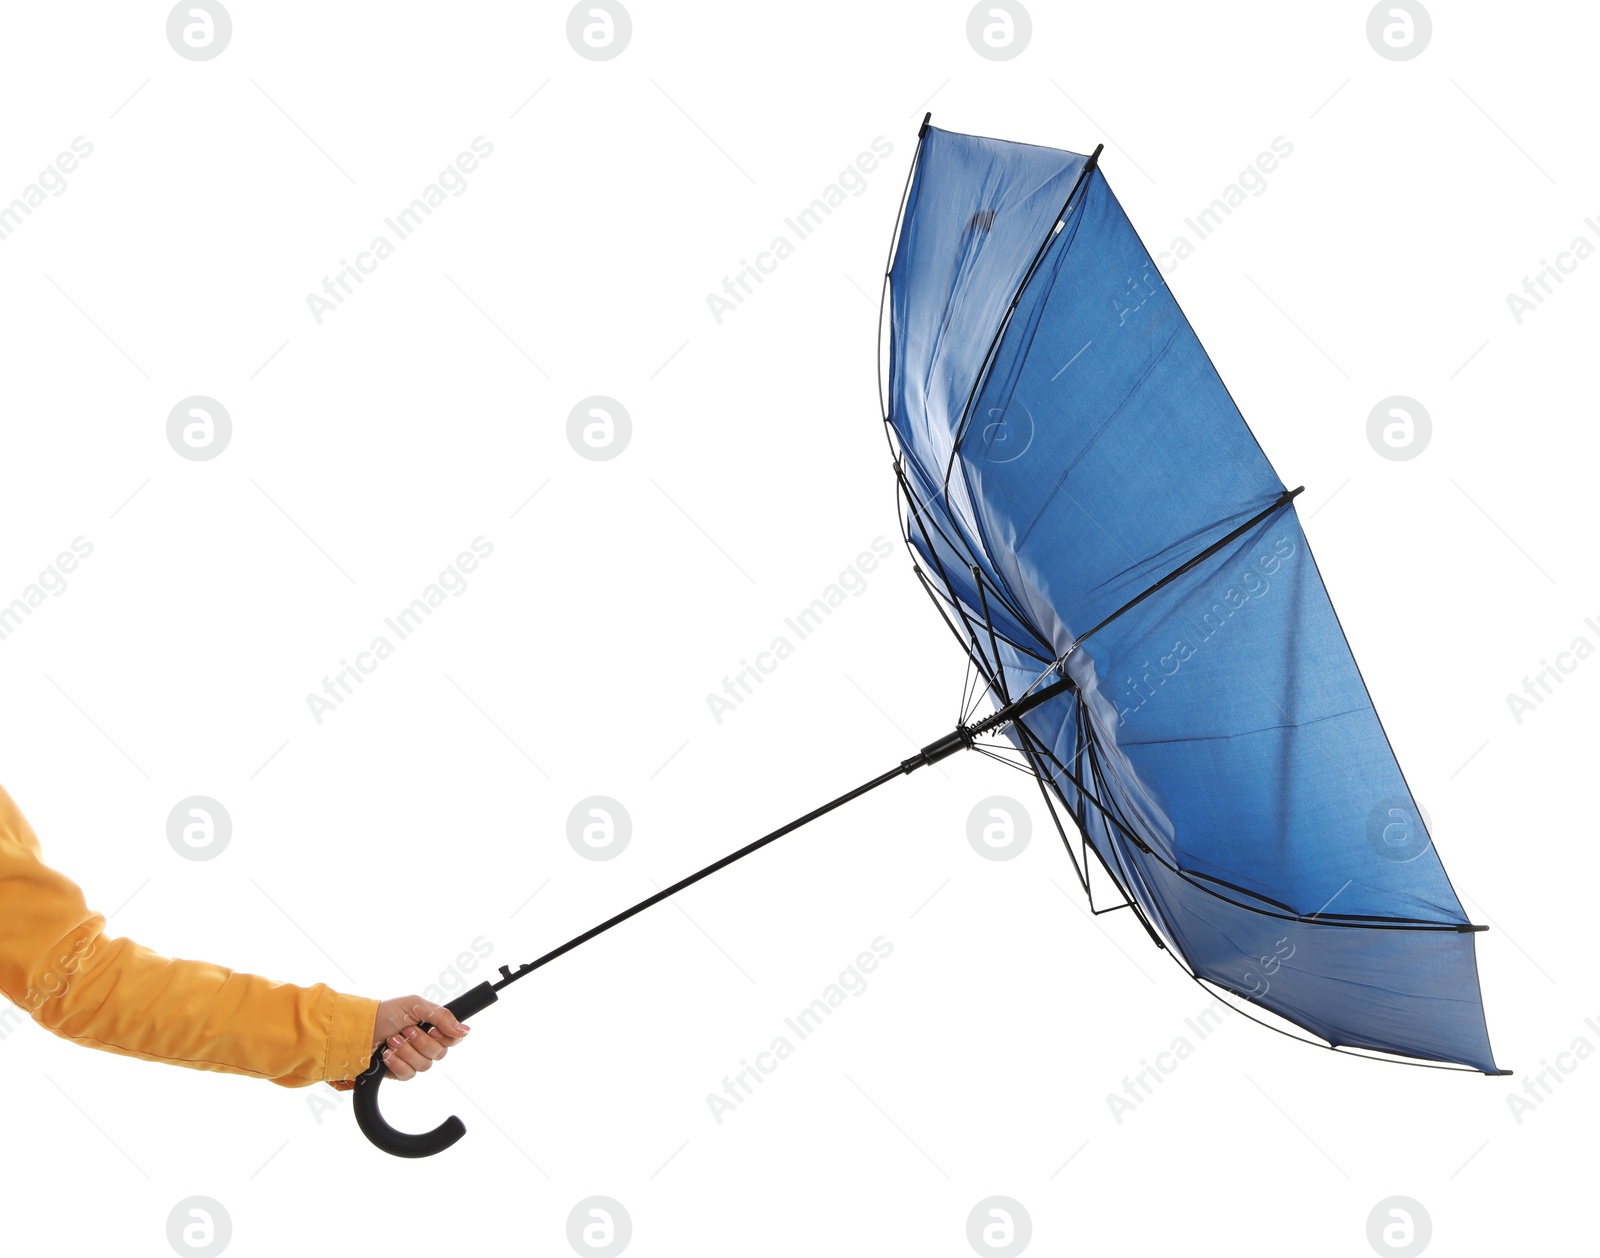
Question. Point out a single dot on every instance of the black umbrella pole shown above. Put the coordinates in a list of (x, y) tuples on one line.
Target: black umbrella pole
[(425, 1144), (681, 884), (958, 739)]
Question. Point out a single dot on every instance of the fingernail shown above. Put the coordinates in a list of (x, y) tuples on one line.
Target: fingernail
[(395, 1040), (411, 1033), (388, 1054), (464, 1028)]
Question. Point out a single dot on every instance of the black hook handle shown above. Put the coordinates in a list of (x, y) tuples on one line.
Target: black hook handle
[(405, 1144)]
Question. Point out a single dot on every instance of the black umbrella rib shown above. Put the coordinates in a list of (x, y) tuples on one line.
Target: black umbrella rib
[(997, 683), (994, 643), (1150, 911), (1005, 600), (1349, 920), (894, 239), (1288, 495), (911, 502), (1030, 739), (1091, 163), (975, 657)]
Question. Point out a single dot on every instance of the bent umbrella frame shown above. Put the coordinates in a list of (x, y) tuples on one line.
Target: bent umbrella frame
[(1068, 746)]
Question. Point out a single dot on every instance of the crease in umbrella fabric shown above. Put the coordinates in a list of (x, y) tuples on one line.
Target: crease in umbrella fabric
[(1076, 475)]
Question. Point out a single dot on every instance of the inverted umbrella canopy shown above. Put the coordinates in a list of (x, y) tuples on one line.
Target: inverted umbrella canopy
[(1126, 572), (1085, 501)]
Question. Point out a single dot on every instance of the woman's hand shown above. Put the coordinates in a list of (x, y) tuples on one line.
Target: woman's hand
[(408, 1049)]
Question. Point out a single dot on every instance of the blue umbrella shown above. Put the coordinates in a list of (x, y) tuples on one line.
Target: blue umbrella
[(1128, 577)]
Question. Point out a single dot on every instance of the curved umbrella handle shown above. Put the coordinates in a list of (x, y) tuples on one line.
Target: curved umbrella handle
[(404, 1144)]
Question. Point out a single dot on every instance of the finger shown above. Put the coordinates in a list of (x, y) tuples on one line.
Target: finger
[(424, 1044), (405, 1052), (449, 1041), (437, 1016), (397, 1068)]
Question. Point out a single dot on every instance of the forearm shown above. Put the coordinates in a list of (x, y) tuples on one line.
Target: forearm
[(123, 998), (114, 994)]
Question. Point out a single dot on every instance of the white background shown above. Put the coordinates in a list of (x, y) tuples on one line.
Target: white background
[(371, 849)]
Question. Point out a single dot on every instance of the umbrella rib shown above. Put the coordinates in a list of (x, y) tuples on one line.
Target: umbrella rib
[(1079, 818), (988, 621), (1398, 1059), (965, 714), (1288, 495), (1055, 818), (888, 267), (911, 493), (1134, 876), (1347, 921), (1084, 173), (1005, 601), (948, 585)]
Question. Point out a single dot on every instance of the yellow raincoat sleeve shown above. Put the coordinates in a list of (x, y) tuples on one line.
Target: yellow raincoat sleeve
[(114, 994)]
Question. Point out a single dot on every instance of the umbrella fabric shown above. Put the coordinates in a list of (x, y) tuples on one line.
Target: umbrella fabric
[(1076, 476)]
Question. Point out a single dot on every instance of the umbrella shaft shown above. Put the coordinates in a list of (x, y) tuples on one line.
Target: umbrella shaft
[(957, 740), (899, 771)]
